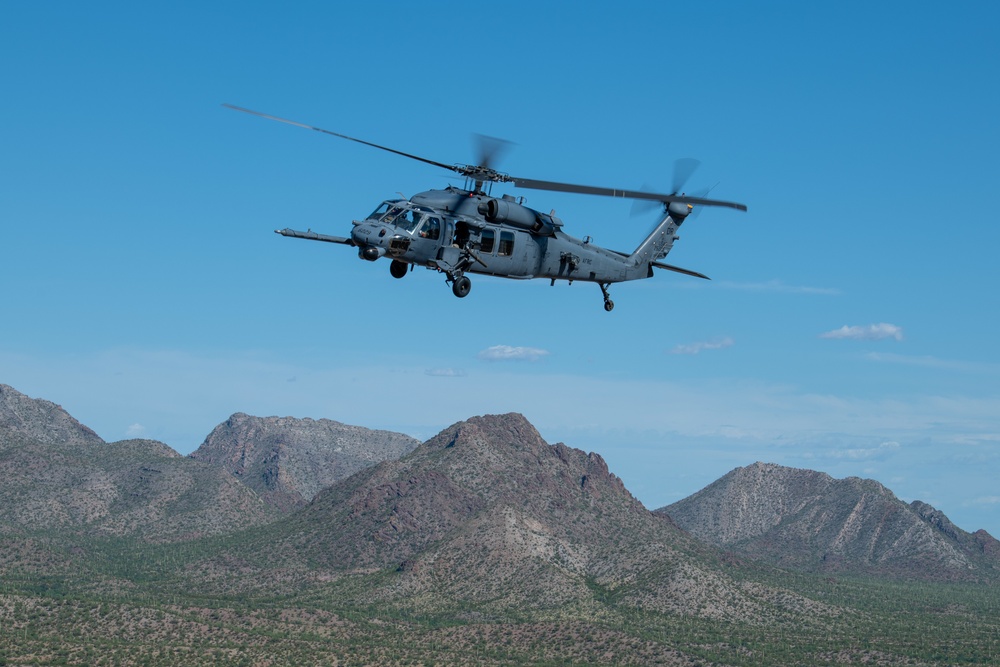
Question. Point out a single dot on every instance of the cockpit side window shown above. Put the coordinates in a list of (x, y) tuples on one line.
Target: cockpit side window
[(407, 220), (431, 229)]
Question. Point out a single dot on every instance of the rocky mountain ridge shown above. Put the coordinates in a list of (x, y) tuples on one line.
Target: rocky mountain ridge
[(391, 501), (41, 420), (287, 461), (55, 480), (487, 512), (808, 520)]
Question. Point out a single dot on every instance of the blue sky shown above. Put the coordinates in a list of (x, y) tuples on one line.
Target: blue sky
[(850, 325)]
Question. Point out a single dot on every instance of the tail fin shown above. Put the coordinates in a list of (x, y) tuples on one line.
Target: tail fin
[(658, 244)]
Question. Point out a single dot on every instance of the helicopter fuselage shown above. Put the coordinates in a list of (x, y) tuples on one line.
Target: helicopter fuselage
[(439, 228), (458, 231)]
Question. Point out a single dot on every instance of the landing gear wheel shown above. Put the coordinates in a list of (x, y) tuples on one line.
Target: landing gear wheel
[(461, 287), (609, 305), (398, 269)]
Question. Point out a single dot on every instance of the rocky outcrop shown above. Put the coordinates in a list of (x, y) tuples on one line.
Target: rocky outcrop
[(287, 461), (809, 520), (41, 420)]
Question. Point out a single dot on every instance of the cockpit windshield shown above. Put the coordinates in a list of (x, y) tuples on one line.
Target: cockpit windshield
[(378, 213), (387, 212), (407, 219)]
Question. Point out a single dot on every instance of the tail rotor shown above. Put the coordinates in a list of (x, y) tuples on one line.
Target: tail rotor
[(683, 169)]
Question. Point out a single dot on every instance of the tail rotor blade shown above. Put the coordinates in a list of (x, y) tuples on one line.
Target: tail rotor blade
[(683, 168), (642, 207)]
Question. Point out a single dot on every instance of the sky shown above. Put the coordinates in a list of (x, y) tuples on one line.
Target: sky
[(850, 325)]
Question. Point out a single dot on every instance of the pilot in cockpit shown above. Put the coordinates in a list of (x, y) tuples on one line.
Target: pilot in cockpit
[(431, 229)]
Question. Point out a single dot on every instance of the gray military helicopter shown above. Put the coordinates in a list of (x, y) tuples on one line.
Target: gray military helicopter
[(466, 230)]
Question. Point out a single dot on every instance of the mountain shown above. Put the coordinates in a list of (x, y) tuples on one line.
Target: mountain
[(482, 545), (488, 515), (59, 475), (287, 461), (41, 420), (808, 520)]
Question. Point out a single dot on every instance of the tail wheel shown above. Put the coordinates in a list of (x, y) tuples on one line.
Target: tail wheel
[(461, 287), (609, 305)]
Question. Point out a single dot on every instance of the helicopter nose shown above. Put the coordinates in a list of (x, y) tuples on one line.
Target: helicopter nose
[(366, 238)]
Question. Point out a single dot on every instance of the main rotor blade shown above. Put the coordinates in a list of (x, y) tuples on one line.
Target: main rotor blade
[(452, 167), (623, 194)]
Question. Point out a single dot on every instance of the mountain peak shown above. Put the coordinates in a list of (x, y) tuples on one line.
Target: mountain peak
[(288, 460), (511, 429), (809, 520), (482, 505), (41, 420)]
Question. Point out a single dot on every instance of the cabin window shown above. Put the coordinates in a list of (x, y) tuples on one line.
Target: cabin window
[(506, 247), (488, 237)]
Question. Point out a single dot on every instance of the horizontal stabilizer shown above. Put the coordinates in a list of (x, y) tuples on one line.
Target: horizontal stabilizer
[(313, 236), (678, 269)]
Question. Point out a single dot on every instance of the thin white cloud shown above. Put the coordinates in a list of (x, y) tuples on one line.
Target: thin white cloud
[(779, 287), (509, 353), (135, 431), (865, 454), (986, 500), (934, 362), (879, 331), (695, 348), (445, 372)]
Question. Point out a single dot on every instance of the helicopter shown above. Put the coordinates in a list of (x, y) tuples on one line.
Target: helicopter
[(457, 231)]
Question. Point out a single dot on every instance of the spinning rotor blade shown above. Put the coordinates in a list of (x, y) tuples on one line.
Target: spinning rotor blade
[(344, 136), (490, 149), (643, 206), (624, 194), (683, 168)]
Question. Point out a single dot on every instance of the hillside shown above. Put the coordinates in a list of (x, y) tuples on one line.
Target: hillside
[(488, 516), (41, 420), (59, 475), (287, 461), (807, 520)]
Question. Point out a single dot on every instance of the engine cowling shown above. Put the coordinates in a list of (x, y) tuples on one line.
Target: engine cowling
[(512, 213)]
